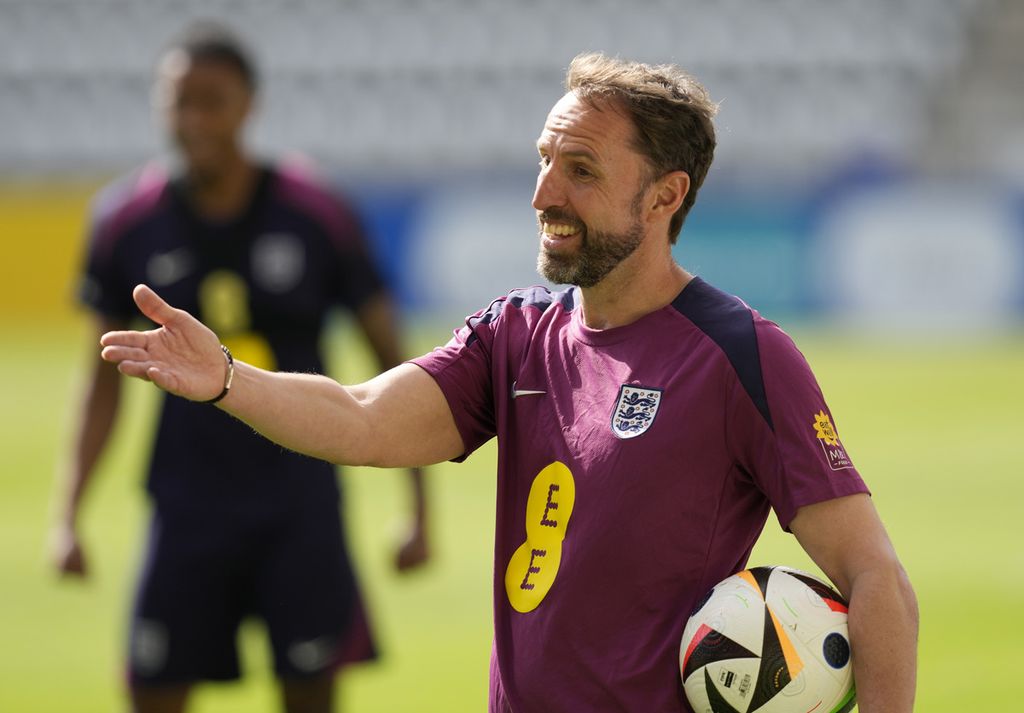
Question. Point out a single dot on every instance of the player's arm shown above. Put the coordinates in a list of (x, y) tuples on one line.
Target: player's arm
[(93, 425), (846, 538), (399, 418), (378, 319)]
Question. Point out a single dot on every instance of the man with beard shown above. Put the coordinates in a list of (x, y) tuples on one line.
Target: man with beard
[(646, 421)]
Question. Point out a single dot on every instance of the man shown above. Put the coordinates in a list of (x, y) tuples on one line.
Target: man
[(646, 421), (239, 525)]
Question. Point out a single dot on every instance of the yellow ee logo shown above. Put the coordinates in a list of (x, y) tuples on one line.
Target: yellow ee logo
[(224, 306), (534, 565)]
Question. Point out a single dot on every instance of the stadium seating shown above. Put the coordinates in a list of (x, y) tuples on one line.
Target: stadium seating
[(396, 84)]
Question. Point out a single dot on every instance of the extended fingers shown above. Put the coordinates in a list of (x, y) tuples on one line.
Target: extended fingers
[(131, 360), (124, 339), (138, 369), (118, 353), (149, 371)]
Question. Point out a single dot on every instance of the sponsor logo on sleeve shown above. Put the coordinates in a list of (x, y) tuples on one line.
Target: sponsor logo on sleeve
[(826, 434)]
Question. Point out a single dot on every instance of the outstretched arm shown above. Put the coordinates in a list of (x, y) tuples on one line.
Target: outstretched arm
[(378, 319), (846, 538), (399, 418)]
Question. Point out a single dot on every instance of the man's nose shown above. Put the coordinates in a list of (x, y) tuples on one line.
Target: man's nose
[(550, 191)]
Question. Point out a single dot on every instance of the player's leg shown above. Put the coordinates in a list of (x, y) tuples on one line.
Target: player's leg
[(159, 699), (308, 598), (308, 695), (186, 612)]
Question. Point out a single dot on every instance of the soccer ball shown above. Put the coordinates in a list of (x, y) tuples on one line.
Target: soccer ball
[(768, 640)]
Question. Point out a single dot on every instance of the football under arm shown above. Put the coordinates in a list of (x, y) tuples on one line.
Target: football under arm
[(846, 538), (399, 418)]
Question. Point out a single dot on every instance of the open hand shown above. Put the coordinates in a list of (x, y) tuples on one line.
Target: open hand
[(182, 356)]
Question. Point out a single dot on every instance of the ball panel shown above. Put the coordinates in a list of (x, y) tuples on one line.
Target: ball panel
[(774, 673), (801, 611), (792, 631), (715, 699), (836, 650), (831, 597), (848, 702), (708, 646), (730, 681), (789, 651), (759, 578), (728, 610)]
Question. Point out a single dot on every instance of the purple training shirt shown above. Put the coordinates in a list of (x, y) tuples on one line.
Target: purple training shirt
[(636, 469)]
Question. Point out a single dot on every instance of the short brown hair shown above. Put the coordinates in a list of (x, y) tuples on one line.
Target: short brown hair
[(671, 111), (210, 41)]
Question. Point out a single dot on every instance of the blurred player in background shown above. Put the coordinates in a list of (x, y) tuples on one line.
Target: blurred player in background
[(646, 422), (240, 526)]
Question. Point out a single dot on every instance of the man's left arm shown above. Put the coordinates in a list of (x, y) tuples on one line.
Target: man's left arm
[(378, 320), (846, 538)]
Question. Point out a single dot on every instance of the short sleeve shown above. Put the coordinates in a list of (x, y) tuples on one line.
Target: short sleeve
[(792, 450), (463, 370), (103, 285)]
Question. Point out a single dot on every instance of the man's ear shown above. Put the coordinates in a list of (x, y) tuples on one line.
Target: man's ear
[(669, 192)]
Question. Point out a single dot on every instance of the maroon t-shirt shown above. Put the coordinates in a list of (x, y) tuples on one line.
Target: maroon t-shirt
[(636, 469)]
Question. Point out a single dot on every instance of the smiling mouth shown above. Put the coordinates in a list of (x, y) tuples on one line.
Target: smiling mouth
[(559, 230)]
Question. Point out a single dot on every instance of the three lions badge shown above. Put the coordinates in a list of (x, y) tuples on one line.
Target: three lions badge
[(635, 410)]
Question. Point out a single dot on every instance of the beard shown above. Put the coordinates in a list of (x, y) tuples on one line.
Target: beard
[(600, 252)]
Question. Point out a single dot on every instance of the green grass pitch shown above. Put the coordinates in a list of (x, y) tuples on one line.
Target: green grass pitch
[(934, 426)]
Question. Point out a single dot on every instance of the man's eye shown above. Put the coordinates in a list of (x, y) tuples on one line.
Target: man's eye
[(582, 172), (545, 161)]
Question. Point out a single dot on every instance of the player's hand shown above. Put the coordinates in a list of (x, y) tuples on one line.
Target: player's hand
[(68, 554), (414, 551), (182, 356)]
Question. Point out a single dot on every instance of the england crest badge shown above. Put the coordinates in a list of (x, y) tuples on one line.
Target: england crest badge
[(635, 410), (278, 262)]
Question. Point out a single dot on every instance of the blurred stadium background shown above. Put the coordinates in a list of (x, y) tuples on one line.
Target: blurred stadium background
[(868, 194)]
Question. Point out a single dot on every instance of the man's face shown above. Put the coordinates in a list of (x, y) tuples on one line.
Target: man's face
[(590, 191), (204, 104)]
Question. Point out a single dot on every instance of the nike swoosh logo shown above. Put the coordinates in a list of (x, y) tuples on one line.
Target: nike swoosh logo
[(516, 393)]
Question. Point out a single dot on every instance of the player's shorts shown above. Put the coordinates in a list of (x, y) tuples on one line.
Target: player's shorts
[(204, 573)]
